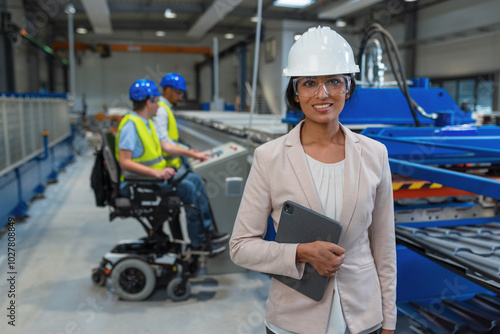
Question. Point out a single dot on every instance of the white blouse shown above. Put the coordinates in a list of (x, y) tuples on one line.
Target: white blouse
[(329, 183)]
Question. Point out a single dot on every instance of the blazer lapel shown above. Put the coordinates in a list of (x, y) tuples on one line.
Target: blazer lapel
[(297, 158), (351, 181)]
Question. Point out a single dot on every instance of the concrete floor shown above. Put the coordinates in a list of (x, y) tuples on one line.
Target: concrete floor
[(65, 237)]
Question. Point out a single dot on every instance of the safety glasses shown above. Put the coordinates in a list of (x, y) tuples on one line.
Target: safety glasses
[(333, 85), (179, 92)]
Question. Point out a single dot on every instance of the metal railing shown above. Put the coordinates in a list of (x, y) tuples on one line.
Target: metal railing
[(24, 120)]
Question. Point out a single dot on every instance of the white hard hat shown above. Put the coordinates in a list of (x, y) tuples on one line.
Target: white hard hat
[(320, 51)]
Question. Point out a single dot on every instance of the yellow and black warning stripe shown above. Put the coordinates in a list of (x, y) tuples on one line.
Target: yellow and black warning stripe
[(416, 186)]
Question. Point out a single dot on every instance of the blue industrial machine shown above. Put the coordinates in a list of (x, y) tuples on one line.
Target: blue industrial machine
[(446, 182), (446, 187)]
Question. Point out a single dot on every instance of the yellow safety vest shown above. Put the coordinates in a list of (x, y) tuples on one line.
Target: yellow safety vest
[(173, 133), (152, 155)]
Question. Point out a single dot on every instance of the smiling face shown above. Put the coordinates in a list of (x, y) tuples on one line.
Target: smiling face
[(322, 98)]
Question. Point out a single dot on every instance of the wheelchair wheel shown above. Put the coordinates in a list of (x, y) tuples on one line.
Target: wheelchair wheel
[(98, 276), (133, 279), (178, 291)]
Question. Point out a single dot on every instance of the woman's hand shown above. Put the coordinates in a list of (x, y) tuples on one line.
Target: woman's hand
[(325, 257), (386, 331)]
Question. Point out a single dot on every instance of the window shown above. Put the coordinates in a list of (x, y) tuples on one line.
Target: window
[(475, 92)]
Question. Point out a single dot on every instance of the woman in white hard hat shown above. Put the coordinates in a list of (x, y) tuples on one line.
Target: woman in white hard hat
[(324, 166)]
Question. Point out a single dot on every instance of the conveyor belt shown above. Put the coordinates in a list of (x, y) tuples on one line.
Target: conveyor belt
[(471, 251), (474, 253), (479, 314), (235, 125)]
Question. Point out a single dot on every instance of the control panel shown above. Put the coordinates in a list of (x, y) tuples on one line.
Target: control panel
[(224, 174), (219, 154)]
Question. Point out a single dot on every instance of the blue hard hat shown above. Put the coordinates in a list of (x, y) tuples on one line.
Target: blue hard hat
[(142, 89), (174, 80)]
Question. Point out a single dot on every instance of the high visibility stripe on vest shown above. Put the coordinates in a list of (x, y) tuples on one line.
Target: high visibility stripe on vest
[(173, 133), (152, 154)]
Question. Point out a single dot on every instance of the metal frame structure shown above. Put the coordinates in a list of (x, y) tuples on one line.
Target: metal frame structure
[(414, 152), (440, 283)]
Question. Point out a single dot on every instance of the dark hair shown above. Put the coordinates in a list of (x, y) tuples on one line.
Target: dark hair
[(139, 105), (295, 106)]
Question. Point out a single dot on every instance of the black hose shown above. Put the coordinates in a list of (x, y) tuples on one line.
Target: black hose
[(393, 52)]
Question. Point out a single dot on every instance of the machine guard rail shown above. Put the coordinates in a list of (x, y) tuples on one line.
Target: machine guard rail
[(417, 153), (471, 183)]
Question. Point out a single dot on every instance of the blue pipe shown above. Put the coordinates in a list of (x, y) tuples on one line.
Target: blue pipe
[(45, 135), (21, 209), (70, 140), (73, 131)]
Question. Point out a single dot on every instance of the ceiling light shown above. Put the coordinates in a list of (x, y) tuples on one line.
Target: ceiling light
[(160, 33), (296, 36), (340, 23), (254, 19), (169, 14), (410, 0), (81, 31), (229, 36), (293, 3)]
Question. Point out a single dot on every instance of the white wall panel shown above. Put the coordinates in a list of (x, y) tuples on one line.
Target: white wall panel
[(460, 57), (206, 93), (228, 78), (107, 80), (457, 55), (457, 15)]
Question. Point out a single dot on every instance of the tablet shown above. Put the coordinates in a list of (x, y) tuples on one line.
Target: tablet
[(299, 224)]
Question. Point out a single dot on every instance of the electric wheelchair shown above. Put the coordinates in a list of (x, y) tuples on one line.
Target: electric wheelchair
[(134, 268)]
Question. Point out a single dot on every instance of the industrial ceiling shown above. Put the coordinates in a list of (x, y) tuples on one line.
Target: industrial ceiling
[(196, 21)]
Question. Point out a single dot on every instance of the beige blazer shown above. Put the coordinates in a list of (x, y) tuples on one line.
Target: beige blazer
[(367, 279)]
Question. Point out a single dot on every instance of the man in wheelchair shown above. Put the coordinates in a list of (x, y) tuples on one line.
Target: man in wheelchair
[(139, 153)]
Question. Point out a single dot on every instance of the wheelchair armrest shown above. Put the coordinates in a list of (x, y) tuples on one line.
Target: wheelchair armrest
[(148, 181), (144, 182), (144, 179)]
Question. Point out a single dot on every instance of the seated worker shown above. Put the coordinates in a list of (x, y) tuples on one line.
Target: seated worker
[(139, 151), (174, 88)]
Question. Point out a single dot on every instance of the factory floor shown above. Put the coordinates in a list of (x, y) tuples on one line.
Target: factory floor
[(66, 235)]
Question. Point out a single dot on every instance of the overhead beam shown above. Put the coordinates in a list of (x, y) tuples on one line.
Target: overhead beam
[(197, 9), (99, 15), (156, 25), (216, 12), (138, 48), (346, 8)]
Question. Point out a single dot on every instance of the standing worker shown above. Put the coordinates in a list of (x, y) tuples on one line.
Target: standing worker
[(174, 88), (322, 165)]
